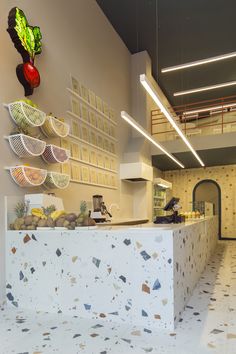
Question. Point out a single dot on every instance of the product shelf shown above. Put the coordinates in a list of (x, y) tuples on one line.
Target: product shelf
[(55, 154), (26, 176), (26, 146), (53, 127), (56, 180), (25, 115)]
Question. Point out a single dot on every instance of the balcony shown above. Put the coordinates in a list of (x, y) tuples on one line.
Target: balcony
[(212, 117)]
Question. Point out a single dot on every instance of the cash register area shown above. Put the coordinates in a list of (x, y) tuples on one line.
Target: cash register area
[(208, 324)]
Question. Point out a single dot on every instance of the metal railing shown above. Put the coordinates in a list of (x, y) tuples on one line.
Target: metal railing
[(209, 117)]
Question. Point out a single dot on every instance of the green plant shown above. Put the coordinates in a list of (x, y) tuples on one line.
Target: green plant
[(50, 209), (21, 209), (83, 207)]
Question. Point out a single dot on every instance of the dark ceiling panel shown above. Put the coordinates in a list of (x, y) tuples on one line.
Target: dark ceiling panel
[(187, 31), (213, 157)]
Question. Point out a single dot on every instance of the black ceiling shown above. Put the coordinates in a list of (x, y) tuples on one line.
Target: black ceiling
[(179, 31), (213, 157)]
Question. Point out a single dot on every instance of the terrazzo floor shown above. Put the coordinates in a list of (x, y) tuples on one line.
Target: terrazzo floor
[(208, 324)]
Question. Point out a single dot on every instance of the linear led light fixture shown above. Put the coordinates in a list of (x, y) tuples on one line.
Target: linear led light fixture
[(205, 88), (152, 92), (199, 62), (207, 109), (142, 131)]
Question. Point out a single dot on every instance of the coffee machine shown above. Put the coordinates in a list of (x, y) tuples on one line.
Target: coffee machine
[(100, 211)]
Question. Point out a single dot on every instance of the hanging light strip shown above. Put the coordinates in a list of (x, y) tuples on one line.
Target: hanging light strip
[(152, 92), (142, 131), (205, 88), (199, 62), (207, 109)]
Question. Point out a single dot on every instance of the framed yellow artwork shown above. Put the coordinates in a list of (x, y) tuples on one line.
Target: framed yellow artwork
[(93, 157), (100, 160), (105, 109), (85, 174), (113, 165), (75, 85), (99, 103), (84, 133), (92, 118), (92, 98), (84, 113), (106, 127), (75, 107), (106, 145), (75, 150), (107, 162), (100, 178), (75, 128), (93, 176), (112, 148), (100, 124), (84, 154), (75, 171), (93, 138), (100, 141), (66, 168), (84, 92), (65, 144)]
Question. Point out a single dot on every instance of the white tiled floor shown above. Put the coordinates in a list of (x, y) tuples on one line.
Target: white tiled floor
[(208, 324)]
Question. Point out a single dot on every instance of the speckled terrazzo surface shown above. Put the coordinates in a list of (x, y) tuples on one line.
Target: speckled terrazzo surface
[(208, 324)]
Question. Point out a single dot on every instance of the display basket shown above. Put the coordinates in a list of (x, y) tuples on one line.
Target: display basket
[(26, 176), (56, 180), (25, 115), (26, 146), (53, 127), (55, 154)]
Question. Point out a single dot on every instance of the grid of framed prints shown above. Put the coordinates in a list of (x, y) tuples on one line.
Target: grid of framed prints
[(93, 138)]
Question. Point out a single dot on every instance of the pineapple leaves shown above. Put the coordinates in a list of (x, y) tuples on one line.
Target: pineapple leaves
[(30, 37)]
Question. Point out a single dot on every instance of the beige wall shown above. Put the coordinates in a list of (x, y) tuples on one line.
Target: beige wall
[(78, 40), (185, 180)]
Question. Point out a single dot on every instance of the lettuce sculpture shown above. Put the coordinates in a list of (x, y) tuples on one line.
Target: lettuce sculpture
[(27, 41)]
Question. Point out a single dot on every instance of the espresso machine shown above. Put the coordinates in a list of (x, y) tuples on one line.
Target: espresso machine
[(100, 212)]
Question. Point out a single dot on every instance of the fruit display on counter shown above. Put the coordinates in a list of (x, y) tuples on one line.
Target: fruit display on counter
[(26, 176), (55, 154), (55, 127), (50, 218)]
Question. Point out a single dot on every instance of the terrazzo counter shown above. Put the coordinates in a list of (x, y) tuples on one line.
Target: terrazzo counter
[(141, 275)]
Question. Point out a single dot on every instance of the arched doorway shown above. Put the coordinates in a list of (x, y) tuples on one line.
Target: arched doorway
[(209, 191)]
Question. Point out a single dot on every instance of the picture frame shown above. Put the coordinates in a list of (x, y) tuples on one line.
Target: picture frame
[(76, 172), (106, 145), (112, 131), (106, 127), (93, 176), (112, 181), (92, 118), (112, 164), (84, 133), (100, 160), (106, 109), (84, 112), (84, 154), (75, 106), (84, 92), (93, 138), (75, 150), (100, 124), (99, 103), (65, 144), (112, 148), (107, 162), (92, 98), (93, 157), (75, 85), (75, 128), (100, 141), (85, 174), (106, 179), (66, 168), (100, 178)]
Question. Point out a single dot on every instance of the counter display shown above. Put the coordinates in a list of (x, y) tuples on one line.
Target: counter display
[(143, 274)]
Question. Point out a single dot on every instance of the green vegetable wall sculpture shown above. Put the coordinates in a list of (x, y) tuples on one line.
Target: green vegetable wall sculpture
[(27, 41)]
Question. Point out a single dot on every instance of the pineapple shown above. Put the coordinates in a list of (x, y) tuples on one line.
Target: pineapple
[(83, 213), (49, 210), (21, 209)]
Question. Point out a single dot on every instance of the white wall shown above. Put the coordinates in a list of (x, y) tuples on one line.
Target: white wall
[(77, 39)]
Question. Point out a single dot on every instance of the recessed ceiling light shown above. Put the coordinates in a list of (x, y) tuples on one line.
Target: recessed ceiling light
[(142, 131), (152, 92), (199, 62), (205, 88)]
